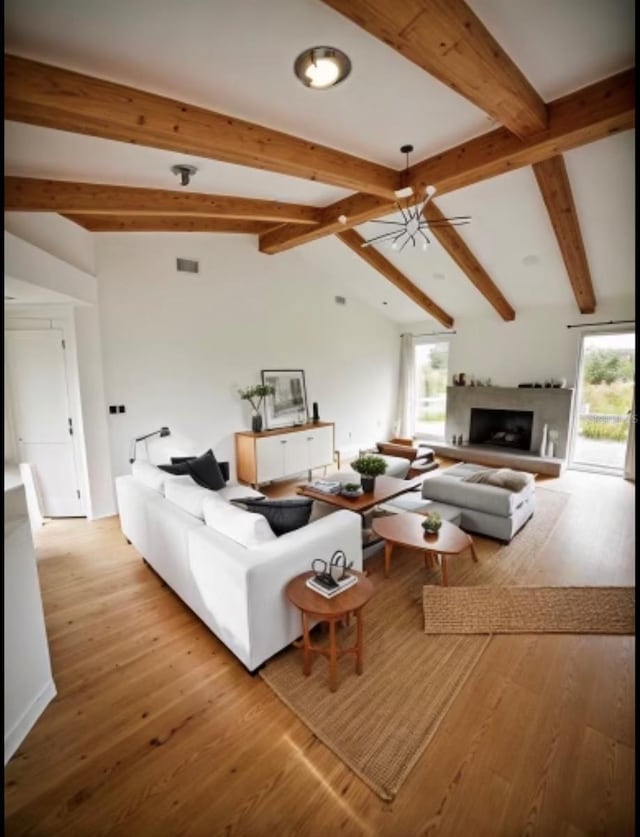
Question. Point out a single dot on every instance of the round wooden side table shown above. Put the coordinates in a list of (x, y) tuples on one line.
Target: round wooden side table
[(333, 610), (406, 530)]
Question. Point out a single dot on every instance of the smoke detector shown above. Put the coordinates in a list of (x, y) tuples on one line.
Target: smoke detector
[(184, 172)]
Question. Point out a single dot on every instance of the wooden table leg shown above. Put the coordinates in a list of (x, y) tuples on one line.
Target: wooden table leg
[(333, 656), (359, 642), (306, 646), (443, 566), (474, 555), (388, 549)]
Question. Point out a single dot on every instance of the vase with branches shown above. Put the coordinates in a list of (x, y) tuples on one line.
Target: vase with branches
[(255, 395)]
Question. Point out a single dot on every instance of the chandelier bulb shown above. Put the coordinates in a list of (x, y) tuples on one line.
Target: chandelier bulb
[(342, 219), (395, 245), (430, 191)]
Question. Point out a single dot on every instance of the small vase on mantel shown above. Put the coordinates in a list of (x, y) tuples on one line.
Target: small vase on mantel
[(543, 443), (256, 423)]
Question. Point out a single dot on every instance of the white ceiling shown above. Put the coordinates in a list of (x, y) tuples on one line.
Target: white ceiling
[(236, 56)]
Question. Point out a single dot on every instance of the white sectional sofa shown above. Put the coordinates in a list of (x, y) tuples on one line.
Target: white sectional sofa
[(223, 562)]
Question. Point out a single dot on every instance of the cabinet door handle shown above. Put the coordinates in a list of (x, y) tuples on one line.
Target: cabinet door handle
[(283, 441)]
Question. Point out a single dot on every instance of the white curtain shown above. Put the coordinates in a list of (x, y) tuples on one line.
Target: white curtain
[(630, 456), (406, 389)]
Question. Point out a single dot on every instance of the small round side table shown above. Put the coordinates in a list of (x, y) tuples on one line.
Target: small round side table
[(333, 610)]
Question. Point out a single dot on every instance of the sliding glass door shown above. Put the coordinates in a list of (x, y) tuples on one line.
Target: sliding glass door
[(431, 376), (604, 402)]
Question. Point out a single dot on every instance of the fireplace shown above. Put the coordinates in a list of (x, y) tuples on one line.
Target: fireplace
[(501, 428)]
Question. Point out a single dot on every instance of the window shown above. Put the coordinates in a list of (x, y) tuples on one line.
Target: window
[(431, 376)]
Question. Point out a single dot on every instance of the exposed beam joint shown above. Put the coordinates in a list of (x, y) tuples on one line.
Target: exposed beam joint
[(445, 38), (553, 181), (585, 116), (378, 262)]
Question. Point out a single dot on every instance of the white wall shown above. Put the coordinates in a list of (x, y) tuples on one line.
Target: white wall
[(177, 347), (55, 235), (537, 345)]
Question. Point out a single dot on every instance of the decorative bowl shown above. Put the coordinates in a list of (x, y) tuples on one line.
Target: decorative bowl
[(351, 490)]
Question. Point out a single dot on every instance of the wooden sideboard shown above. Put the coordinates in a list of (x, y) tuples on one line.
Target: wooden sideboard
[(284, 452)]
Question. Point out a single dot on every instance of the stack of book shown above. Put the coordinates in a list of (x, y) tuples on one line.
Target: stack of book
[(326, 486), (329, 588)]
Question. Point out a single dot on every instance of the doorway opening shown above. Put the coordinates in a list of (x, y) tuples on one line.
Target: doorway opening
[(604, 402)]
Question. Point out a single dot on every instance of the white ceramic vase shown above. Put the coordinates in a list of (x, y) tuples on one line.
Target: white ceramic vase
[(543, 443)]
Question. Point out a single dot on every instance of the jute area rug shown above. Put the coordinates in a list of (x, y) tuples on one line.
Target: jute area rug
[(380, 723), (525, 610)]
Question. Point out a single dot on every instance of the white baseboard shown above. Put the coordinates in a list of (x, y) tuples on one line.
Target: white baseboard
[(14, 738)]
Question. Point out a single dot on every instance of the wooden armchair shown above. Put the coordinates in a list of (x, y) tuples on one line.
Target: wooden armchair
[(421, 458)]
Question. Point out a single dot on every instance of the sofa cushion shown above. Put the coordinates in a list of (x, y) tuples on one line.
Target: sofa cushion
[(283, 515), (235, 523), (206, 471), (187, 495), (238, 492), (177, 469), (148, 474)]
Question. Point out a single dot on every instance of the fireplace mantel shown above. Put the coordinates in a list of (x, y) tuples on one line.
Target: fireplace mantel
[(550, 405)]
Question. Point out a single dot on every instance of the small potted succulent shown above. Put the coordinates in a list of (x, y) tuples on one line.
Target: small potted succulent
[(432, 523), (255, 395), (351, 489), (369, 466)]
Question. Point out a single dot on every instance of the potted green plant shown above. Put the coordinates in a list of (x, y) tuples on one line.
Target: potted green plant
[(432, 523), (369, 466), (255, 395)]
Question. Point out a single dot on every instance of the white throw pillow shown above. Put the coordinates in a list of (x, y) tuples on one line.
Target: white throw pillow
[(148, 474), (188, 496), (241, 526)]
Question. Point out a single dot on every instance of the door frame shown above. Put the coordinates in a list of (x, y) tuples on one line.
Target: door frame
[(575, 420), (43, 318)]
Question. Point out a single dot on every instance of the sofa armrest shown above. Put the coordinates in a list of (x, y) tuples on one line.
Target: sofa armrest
[(243, 589), (485, 498)]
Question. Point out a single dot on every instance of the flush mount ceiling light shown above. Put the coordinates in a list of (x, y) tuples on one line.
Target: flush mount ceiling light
[(321, 67), (413, 224), (184, 172)]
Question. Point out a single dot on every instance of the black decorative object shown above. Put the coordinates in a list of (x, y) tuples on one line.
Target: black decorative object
[(329, 574), (316, 414), (256, 422)]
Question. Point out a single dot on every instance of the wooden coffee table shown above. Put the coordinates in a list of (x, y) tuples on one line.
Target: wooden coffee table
[(385, 488), (333, 610), (406, 530)]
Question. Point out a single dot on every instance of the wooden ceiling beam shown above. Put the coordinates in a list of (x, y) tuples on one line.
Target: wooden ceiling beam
[(159, 223), (445, 38), (553, 181), (52, 97), (455, 246), (378, 262), (590, 114), (25, 194), (585, 116)]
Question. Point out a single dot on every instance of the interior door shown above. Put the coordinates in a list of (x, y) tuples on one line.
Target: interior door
[(42, 419)]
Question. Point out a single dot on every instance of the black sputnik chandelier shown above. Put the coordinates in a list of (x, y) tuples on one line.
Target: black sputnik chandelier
[(412, 224)]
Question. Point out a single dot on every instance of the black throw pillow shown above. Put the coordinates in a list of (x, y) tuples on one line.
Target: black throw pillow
[(181, 461), (178, 468), (282, 515), (205, 471)]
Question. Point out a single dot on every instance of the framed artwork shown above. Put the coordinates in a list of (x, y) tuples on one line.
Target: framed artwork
[(288, 405)]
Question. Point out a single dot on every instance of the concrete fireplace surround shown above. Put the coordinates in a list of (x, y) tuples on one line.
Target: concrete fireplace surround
[(551, 406)]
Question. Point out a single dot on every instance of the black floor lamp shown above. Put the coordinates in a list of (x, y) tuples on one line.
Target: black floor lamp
[(164, 431)]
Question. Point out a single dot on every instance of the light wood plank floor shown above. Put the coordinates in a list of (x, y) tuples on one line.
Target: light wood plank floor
[(158, 730)]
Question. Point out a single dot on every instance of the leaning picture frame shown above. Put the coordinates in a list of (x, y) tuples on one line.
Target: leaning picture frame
[(288, 405)]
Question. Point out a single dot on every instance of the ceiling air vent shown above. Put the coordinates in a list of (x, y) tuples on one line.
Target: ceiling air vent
[(341, 300), (187, 266)]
